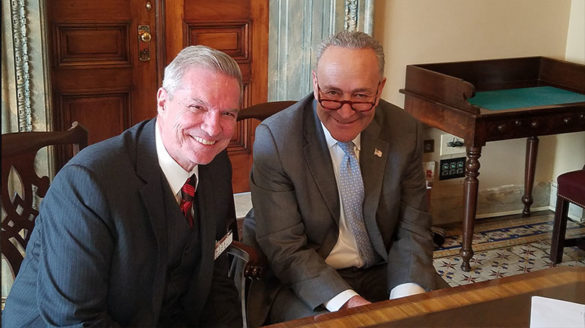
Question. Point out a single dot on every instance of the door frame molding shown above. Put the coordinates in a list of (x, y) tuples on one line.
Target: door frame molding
[(22, 74)]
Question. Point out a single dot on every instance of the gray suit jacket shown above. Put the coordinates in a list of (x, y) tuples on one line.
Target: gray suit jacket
[(296, 202), (98, 253)]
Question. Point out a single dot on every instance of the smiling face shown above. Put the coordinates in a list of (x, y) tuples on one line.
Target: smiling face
[(198, 119), (347, 74)]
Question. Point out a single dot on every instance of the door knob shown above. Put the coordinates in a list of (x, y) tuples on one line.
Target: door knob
[(144, 38)]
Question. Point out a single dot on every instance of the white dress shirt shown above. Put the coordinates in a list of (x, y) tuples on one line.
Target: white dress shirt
[(173, 172), (345, 253)]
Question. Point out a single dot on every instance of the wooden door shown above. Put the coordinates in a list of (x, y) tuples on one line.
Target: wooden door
[(239, 28), (97, 76), (105, 70)]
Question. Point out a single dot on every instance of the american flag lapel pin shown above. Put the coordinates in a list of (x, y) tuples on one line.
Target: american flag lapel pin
[(377, 152)]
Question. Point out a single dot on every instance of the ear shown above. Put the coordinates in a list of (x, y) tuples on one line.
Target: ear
[(315, 89), (380, 89), (161, 99)]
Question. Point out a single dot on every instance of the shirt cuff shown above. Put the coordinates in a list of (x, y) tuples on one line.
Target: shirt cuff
[(406, 289), (337, 302)]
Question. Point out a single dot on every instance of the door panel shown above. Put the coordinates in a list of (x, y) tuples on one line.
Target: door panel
[(96, 76), (111, 108)]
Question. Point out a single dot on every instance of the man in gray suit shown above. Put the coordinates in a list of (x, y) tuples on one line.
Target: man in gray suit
[(332, 242), (115, 244)]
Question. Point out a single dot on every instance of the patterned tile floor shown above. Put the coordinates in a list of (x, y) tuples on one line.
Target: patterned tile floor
[(505, 247)]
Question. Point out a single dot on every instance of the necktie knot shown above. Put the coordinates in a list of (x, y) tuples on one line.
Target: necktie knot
[(347, 147), (188, 189)]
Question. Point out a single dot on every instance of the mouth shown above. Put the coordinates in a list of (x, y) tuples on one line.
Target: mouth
[(346, 122), (204, 141)]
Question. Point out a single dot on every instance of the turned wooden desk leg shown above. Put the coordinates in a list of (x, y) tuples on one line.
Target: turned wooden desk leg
[(530, 167), (470, 187)]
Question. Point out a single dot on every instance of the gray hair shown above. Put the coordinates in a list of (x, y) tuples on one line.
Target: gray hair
[(354, 40), (200, 56)]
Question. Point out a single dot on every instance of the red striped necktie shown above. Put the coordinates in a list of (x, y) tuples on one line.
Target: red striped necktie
[(187, 196)]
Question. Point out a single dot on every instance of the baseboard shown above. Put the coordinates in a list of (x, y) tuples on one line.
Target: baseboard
[(447, 201), (514, 212)]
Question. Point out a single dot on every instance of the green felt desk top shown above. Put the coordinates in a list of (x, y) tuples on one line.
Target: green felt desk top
[(524, 97)]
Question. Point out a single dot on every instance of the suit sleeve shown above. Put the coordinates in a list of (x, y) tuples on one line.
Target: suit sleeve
[(410, 255), (75, 252), (280, 230)]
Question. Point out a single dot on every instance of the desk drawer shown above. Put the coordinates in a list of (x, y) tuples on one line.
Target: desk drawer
[(534, 125)]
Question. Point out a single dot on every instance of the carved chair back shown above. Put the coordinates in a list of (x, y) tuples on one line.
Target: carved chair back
[(23, 188)]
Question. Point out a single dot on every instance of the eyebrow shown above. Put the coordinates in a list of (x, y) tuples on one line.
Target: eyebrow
[(200, 102), (352, 91), (362, 90), (207, 105)]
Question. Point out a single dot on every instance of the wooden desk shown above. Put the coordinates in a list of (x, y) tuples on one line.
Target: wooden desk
[(439, 95), (504, 302)]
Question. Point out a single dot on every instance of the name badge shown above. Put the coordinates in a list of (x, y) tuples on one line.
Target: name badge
[(222, 244)]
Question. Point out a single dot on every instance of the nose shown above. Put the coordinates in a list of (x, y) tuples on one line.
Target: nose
[(346, 111), (212, 123)]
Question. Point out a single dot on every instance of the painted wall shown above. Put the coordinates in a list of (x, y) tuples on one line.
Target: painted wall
[(570, 154), (428, 31)]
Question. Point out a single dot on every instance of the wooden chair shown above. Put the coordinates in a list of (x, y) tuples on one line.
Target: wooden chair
[(253, 260), (18, 173), (571, 189), (264, 110)]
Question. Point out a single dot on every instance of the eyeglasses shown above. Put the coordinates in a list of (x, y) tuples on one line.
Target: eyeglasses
[(358, 106)]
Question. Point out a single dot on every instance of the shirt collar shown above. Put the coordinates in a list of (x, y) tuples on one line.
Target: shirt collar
[(173, 172), (332, 142)]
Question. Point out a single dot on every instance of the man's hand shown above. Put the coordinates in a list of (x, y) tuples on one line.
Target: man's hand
[(355, 302)]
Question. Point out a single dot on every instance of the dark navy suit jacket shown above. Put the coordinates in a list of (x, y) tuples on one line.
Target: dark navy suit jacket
[(98, 253)]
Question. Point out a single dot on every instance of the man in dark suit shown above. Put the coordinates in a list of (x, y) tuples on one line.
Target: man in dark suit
[(333, 242), (115, 244)]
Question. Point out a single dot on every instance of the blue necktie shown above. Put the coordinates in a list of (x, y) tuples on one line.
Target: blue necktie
[(351, 188)]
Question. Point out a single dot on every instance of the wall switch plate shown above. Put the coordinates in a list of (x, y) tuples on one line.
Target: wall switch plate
[(451, 145), (452, 168)]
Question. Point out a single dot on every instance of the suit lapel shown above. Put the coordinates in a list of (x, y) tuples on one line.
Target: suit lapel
[(148, 170), (207, 231), (373, 158), (199, 287), (318, 160)]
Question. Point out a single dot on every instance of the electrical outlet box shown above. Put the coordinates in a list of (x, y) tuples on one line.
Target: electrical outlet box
[(452, 168), (451, 145), (429, 146), (429, 169)]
